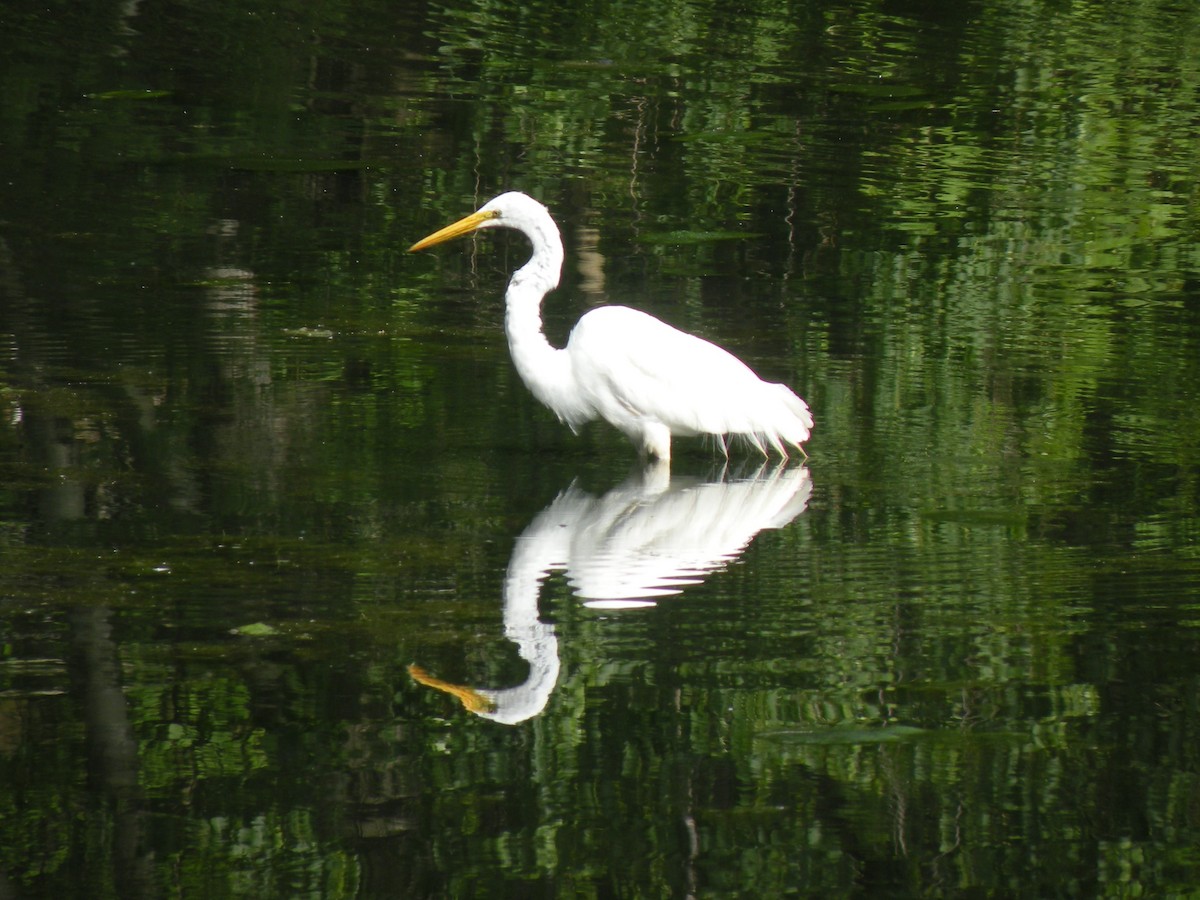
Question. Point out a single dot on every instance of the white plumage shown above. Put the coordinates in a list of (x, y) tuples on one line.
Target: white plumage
[(649, 380)]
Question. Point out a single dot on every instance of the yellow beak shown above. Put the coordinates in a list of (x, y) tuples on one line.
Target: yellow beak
[(471, 699), (463, 226)]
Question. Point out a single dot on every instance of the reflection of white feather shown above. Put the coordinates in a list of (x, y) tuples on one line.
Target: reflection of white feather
[(649, 537)]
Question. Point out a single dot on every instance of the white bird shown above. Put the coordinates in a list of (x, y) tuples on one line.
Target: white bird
[(649, 380)]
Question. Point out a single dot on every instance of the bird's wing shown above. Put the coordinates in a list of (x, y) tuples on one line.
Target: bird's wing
[(628, 359)]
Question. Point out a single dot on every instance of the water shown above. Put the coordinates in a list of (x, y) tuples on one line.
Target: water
[(305, 595)]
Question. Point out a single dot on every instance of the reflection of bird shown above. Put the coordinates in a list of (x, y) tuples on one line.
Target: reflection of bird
[(646, 378), (649, 537), (653, 535)]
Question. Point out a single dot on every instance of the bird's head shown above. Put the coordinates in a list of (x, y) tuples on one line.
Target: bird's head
[(510, 210)]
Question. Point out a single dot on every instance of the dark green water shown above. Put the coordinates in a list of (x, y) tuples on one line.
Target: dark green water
[(258, 462)]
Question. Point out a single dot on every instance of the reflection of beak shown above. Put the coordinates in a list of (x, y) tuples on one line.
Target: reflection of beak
[(465, 225), (471, 699)]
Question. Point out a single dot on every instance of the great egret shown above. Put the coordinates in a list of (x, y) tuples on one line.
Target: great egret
[(622, 365)]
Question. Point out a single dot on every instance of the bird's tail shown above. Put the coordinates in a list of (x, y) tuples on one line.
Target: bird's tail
[(788, 421)]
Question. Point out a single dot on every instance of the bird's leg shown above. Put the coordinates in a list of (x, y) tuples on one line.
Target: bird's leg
[(656, 440)]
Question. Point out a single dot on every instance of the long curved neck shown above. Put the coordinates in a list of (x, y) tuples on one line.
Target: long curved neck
[(545, 369)]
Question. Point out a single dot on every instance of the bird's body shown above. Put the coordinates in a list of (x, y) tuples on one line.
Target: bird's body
[(646, 378)]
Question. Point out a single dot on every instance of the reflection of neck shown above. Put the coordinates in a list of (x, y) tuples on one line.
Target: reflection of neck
[(541, 549), (534, 557)]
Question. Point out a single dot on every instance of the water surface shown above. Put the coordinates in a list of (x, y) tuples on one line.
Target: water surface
[(304, 595)]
